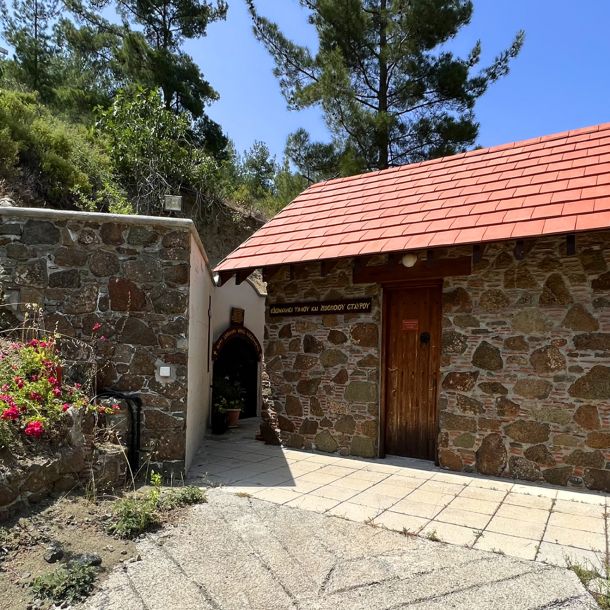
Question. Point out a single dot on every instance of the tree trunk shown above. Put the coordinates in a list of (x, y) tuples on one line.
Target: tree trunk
[(382, 129), (36, 79)]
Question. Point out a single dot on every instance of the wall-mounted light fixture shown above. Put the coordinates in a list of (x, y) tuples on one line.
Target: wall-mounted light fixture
[(409, 260), (172, 203)]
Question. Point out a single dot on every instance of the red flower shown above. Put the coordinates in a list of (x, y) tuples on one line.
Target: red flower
[(33, 343), (53, 380), (11, 413), (19, 382), (56, 391), (116, 407), (102, 338), (96, 327), (5, 387), (35, 429), (65, 406), (36, 396)]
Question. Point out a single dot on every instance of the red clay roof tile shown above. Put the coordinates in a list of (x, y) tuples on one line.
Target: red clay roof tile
[(553, 184)]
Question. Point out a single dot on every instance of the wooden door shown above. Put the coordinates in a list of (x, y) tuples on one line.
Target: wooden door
[(412, 347)]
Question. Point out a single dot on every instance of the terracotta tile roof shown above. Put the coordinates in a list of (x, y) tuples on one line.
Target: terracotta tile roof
[(554, 184)]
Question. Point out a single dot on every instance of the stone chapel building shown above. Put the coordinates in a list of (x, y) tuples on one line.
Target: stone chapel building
[(455, 310)]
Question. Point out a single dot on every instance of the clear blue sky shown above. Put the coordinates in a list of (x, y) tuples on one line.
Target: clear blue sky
[(561, 80)]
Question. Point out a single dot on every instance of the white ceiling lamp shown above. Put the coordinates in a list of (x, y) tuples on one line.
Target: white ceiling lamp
[(409, 260)]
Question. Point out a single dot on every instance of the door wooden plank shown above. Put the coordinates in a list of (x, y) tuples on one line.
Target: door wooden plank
[(411, 366)]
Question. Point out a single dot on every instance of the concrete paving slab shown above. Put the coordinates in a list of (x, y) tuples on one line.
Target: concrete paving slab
[(395, 491), (245, 553)]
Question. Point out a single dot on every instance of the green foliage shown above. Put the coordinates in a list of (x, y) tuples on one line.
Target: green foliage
[(152, 152), (390, 90), (70, 583), (228, 394), (136, 514), (28, 27), (70, 166), (183, 496), (256, 181)]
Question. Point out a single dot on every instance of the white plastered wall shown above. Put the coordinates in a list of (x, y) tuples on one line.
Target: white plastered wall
[(199, 366), (244, 296)]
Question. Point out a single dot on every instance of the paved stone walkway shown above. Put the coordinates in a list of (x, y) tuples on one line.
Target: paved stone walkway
[(546, 524), (242, 553)]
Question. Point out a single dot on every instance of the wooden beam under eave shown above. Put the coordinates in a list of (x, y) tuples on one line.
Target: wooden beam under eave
[(270, 272), (571, 244), (477, 253), (242, 275), (224, 277), (423, 270)]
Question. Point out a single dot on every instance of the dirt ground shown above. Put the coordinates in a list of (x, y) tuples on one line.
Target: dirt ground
[(74, 524)]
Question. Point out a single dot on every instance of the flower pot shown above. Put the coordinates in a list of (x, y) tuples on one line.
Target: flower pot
[(233, 417)]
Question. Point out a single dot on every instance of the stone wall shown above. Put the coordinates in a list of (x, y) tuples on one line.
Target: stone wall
[(132, 277), (526, 364), (324, 370)]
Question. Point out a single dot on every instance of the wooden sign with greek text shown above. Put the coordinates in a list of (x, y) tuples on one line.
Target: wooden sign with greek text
[(318, 308)]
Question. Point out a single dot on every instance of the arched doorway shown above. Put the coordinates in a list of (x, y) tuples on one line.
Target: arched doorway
[(236, 355)]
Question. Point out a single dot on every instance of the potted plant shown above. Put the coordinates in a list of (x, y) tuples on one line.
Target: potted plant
[(229, 398)]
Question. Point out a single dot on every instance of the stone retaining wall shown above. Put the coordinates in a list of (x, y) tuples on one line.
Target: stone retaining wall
[(131, 277), (29, 480), (526, 364), (324, 371)]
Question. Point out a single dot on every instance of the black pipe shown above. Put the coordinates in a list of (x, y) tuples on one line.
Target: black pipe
[(134, 404)]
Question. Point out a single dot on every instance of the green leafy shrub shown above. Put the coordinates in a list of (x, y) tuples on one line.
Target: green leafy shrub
[(134, 515), (70, 583), (137, 514), (69, 164), (183, 496)]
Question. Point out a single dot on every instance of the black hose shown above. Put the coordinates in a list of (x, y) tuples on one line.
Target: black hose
[(134, 404)]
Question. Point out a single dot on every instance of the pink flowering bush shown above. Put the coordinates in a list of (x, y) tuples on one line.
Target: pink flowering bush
[(34, 398)]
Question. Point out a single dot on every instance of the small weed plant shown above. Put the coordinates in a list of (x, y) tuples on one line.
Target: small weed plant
[(589, 576), (70, 583), (139, 513)]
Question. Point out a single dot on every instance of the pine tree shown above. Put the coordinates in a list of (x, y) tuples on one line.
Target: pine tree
[(389, 88), (27, 26), (151, 36)]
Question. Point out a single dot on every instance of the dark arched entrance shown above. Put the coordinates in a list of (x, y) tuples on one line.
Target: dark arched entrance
[(236, 355)]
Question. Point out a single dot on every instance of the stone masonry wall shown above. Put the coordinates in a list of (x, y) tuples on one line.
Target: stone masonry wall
[(130, 277), (526, 364), (324, 370)]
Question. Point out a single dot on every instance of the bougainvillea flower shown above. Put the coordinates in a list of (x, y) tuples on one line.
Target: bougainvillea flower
[(8, 399), (33, 343), (56, 391), (5, 387), (36, 396), (11, 413), (116, 407), (102, 338), (19, 382), (35, 429), (65, 406), (96, 326)]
